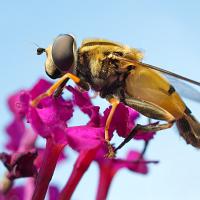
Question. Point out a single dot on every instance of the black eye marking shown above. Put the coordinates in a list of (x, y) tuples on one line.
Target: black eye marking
[(63, 52)]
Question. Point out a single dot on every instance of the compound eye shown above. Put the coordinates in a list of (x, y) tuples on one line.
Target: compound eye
[(63, 52)]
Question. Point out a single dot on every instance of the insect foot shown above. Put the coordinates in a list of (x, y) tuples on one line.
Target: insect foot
[(111, 153)]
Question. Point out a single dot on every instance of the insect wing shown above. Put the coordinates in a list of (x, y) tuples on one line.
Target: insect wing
[(184, 89)]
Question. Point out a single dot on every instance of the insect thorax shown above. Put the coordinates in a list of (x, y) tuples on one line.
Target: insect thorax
[(100, 72)]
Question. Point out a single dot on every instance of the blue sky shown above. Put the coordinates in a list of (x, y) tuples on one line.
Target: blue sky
[(168, 33)]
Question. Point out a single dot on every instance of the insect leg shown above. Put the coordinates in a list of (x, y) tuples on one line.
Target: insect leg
[(55, 86), (149, 110), (146, 128), (60, 88), (146, 143), (114, 102), (83, 86)]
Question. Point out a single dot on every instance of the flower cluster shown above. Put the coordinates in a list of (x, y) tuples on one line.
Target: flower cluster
[(50, 120)]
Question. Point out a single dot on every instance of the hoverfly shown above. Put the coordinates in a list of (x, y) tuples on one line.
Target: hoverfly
[(118, 74)]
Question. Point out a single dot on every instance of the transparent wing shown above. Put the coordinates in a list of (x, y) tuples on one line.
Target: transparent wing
[(184, 89)]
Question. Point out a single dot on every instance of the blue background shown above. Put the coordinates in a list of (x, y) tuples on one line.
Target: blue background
[(167, 31)]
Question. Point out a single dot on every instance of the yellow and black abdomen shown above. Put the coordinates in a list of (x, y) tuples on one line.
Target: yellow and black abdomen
[(149, 85)]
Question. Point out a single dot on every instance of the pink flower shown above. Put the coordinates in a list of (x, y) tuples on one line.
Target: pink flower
[(50, 120), (109, 167), (16, 131)]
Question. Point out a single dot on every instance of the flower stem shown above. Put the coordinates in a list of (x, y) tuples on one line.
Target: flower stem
[(105, 180), (82, 163), (47, 168)]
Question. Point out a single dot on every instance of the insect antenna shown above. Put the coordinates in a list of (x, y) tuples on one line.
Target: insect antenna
[(40, 50)]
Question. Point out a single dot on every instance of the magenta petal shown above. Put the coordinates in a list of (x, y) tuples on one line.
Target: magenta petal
[(37, 124), (132, 116), (14, 194), (139, 167), (44, 126), (29, 188), (133, 162), (93, 113), (55, 111), (64, 108), (84, 137), (18, 103), (141, 135), (123, 120), (41, 86), (81, 99), (20, 138), (50, 118), (15, 131), (27, 141)]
